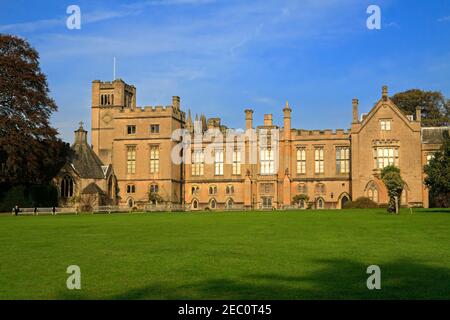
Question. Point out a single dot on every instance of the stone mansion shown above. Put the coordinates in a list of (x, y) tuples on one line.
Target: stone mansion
[(129, 158)]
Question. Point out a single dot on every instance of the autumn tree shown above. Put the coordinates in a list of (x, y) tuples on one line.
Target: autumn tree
[(438, 174), (30, 151), (433, 106)]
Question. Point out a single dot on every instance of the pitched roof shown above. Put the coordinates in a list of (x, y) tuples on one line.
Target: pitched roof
[(85, 161), (92, 188)]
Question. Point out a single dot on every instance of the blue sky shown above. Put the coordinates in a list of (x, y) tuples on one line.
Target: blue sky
[(222, 56)]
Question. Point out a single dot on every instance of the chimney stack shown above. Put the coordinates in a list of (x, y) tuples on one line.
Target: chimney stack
[(355, 103), (248, 119), (287, 121), (418, 114), (176, 102), (268, 119)]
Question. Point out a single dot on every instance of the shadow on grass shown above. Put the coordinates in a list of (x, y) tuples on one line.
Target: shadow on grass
[(436, 210), (335, 279)]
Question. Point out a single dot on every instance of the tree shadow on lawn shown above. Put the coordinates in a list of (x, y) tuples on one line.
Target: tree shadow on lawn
[(336, 279)]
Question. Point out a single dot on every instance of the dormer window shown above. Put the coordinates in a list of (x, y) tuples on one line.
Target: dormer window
[(385, 124)]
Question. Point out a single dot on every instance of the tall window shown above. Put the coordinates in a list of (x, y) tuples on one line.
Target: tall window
[(318, 160), (236, 162), (267, 161), (342, 160), (131, 159), (218, 162), (66, 187), (386, 156), (385, 124), (372, 192), (301, 161), (154, 159), (198, 160)]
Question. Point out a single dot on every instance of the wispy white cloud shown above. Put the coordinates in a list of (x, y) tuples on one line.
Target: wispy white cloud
[(97, 16), (444, 19)]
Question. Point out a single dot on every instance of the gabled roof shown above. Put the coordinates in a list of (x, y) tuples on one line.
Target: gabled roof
[(385, 101), (85, 161), (92, 188)]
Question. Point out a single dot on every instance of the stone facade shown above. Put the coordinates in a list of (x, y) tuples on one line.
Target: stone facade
[(329, 166)]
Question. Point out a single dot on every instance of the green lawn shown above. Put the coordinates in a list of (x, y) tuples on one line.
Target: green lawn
[(254, 255)]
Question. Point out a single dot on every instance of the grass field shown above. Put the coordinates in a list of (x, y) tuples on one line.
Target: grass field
[(254, 255)]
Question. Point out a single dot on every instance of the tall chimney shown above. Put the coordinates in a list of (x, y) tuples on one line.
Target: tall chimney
[(268, 119), (418, 114), (176, 102), (355, 103), (287, 121), (248, 119)]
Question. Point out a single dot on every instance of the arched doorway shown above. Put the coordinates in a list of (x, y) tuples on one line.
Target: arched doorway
[(229, 203), (194, 204), (344, 200)]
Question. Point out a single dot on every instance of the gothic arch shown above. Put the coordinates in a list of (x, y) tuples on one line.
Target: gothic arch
[(343, 198), (320, 203), (195, 204), (372, 191)]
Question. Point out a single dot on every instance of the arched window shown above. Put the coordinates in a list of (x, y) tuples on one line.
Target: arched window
[(372, 192), (213, 204), (66, 187), (194, 204), (130, 203), (212, 190), (320, 203), (195, 190), (230, 189), (229, 203)]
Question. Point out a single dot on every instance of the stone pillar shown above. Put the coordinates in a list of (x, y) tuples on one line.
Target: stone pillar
[(248, 119), (286, 190)]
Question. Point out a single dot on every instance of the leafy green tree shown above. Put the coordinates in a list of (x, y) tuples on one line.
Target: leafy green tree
[(394, 183), (154, 197), (30, 151), (438, 174), (433, 105), (298, 198)]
